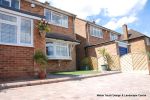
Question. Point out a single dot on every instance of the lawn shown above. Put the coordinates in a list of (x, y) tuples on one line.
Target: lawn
[(77, 72)]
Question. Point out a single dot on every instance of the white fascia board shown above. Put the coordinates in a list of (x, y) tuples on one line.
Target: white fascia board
[(18, 13), (122, 44), (62, 41)]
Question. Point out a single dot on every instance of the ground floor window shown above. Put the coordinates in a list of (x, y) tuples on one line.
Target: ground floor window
[(15, 30), (56, 50)]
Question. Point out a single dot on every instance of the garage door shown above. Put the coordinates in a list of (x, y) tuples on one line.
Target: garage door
[(123, 50)]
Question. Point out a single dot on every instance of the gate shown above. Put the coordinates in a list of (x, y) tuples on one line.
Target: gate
[(134, 62), (126, 63)]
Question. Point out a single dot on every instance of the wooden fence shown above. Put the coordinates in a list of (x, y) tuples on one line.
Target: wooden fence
[(134, 62), (129, 62)]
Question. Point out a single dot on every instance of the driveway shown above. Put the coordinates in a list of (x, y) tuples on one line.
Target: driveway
[(124, 86)]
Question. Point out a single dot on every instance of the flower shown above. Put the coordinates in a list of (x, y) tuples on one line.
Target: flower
[(43, 26)]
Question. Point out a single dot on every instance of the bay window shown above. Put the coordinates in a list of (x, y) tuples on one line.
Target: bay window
[(15, 30), (96, 32), (56, 50), (113, 37), (56, 18), (10, 3)]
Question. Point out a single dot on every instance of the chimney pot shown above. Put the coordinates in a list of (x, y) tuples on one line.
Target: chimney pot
[(47, 3), (93, 21)]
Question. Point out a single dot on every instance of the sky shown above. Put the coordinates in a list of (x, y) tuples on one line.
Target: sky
[(110, 13)]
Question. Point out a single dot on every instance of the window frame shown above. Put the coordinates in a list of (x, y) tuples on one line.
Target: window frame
[(10, 1), (18, 24), (50, 21), (92, 29), (55, 56), (112, 36)]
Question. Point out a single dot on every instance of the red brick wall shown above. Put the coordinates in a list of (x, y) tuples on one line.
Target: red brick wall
[(16, 61), (137, 45), (26, 6), (80, 30), (111, 48)]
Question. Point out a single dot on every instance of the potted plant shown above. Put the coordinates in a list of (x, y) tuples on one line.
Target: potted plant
[(43, 27), (106, 58), (41, 60)]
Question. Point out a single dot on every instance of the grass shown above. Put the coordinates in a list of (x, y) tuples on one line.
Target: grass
[(77, 72)]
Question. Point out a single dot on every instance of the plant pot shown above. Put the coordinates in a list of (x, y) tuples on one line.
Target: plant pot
[(104, 67), (42, 34), (84, 68), (42, 75)]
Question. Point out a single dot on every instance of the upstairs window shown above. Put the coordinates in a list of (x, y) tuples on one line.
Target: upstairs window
[(56, 18), (96, 32), (113, 36), (10, 3)]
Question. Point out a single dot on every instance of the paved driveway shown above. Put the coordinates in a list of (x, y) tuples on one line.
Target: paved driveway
[(112, 87)]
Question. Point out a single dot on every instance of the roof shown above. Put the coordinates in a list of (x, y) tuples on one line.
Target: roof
[(61, 37), (102, 43), (134, 34)]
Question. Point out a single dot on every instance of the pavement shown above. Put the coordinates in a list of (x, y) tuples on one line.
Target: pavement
[(51, 78), (121, 86)]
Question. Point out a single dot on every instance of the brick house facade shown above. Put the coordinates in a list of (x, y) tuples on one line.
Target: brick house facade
[(89, 41), (16, 59)]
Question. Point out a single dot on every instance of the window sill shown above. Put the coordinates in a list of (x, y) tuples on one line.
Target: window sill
[(57, 25), (59, 58), (97, 37)]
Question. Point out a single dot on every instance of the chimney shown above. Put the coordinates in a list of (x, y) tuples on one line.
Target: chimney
[(125, 32), (93, 21), (47, 3)]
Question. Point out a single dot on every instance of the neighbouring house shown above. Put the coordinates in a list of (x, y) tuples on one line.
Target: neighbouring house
[(138, 46), (92, 36), (128, 50), (20, 38)]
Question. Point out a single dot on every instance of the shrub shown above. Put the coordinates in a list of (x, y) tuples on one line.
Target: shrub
[(41, 59)]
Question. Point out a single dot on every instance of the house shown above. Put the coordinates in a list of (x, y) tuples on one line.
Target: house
[(20, 38), (92, 36), (127, 50)]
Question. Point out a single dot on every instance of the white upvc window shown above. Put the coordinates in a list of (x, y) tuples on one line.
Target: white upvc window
[(56, 18), (96, 32), (113, 36), (56, 50), (15, 30), (11, 3)]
